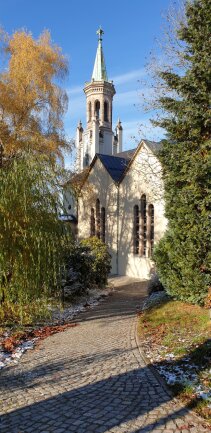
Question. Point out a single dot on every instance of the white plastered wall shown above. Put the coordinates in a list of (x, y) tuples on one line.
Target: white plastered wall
[(69, 200), (143, 177)]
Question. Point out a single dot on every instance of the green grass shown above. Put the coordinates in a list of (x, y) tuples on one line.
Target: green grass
[(176, 325), (182, 329), (187, 394)]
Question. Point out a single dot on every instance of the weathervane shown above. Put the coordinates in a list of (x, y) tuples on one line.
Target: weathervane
[(100, 32)]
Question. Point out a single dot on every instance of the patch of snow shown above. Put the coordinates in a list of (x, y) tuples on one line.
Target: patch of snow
[(185, 374), (62, 315), (155, 299), (12, 358), (170, 356)]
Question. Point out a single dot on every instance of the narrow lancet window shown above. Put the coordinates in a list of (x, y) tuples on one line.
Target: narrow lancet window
[(97, 109), (98, 218), (102, 221), (90, 112), (106, 111), (151, 229), (136, 229), (86, 159), (143, 225), (92, 222)]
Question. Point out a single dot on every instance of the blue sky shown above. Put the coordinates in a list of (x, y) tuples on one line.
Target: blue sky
[(130, 27)]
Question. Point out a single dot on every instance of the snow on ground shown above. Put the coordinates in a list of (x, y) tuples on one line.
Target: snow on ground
[(154, 299), (59, 316), (170, 367), (63, 315), (13, 358), (185, 374)]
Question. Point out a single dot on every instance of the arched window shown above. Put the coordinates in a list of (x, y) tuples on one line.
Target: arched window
[(90, 112), (92, 222), (143, 225), (106, 111), (136, 229), (151, 228), (86, 159), (102, 224), (98, 218), (97, 109)]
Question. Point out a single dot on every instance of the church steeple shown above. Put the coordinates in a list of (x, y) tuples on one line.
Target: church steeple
[(99, 71), (97, 137)]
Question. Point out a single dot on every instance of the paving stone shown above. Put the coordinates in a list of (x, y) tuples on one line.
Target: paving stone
[(92, 379)]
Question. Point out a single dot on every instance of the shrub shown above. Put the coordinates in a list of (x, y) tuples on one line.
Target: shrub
[(179, 270), (101, 264), (78, 275), (87, 265)]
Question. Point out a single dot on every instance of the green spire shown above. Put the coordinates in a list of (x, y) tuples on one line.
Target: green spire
[(99, 71)]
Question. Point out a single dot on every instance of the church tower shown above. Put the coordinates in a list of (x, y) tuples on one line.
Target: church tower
[(98, 136)]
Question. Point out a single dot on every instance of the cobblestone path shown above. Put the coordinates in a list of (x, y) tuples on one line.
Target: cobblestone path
[(92, 379)]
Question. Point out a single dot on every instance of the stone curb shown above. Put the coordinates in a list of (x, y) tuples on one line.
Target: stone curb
[(149, 365)]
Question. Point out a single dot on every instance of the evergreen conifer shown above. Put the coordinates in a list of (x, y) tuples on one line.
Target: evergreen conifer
[(183, 255)]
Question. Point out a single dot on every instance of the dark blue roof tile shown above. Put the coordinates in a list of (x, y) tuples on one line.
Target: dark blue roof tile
[(114, 165)]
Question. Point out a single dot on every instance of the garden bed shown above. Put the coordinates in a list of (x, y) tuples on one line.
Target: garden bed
[(175, 338), (16, 340)]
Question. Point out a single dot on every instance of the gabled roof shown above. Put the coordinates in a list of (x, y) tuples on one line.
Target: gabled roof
[(128, 154), (78, 178), (115, 165), (152, 145)]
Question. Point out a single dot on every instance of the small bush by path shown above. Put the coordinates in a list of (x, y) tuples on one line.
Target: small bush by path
[(87, 265)]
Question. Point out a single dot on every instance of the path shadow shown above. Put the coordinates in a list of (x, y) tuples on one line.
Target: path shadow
[(122, 303), (25, 378), (135, 397)]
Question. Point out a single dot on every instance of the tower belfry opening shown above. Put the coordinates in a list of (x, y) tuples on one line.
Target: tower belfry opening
[(98, 136)]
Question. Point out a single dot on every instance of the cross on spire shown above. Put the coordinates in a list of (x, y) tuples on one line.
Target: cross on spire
[(100, 32)]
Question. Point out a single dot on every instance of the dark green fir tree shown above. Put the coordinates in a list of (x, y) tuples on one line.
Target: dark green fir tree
[(183, 255)]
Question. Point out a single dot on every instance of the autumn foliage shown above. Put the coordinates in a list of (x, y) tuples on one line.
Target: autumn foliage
[(31, 102)]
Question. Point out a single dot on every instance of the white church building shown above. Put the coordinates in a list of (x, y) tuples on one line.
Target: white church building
[(116, 195)]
